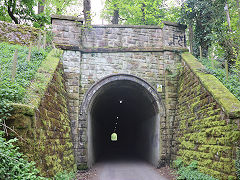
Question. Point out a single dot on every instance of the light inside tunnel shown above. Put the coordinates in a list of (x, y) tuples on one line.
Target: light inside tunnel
[(114, 137), (135, 122)]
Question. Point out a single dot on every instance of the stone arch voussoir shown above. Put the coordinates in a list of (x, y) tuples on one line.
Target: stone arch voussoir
[(93, 91)]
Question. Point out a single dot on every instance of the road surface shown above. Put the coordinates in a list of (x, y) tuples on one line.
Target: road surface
[(126, 170)]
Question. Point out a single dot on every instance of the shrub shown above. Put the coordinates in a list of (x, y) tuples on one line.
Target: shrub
[(64, 176), (13, 165), (190, 172)]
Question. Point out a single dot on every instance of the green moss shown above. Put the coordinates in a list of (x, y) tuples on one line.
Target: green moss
[(206, 133), (221, 94), (42, 78), (22, 108)]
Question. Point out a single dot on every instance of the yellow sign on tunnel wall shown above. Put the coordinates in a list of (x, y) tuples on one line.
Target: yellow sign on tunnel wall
[(114, 137)]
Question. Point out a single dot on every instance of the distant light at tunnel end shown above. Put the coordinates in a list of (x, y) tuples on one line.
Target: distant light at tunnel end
[(120, 101)]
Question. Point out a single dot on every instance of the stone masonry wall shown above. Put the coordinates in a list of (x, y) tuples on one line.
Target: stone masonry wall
[(150, 66), (18, 34), (66, 30), (120, 36), (207, 122), (148, 52), (45, 132)]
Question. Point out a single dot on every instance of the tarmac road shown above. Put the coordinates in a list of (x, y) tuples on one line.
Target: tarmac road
[(126, 170)]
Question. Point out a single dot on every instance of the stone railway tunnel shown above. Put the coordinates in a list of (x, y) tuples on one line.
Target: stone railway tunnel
[(132, 80), (130, 107), (108, 64)]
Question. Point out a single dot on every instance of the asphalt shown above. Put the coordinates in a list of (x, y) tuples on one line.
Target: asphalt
[(126, 170)]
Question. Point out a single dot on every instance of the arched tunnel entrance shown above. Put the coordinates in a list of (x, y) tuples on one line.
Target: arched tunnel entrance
[(130, 108)]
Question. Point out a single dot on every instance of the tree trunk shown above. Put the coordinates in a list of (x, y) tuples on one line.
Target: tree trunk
[(41, 6), (228, 47), (238, 6), (115, 18), (87, 11), (11, 4), (228, 16), (191, 37), (143, 13)]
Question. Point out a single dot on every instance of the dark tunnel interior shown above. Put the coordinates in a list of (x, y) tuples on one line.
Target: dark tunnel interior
[(126, 108)]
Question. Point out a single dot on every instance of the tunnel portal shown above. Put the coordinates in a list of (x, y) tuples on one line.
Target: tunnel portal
[(128, 109)]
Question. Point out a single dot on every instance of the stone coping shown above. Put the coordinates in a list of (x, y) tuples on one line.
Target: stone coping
[(22, 108), (42, 78), (230, 104), (119, 49), (140, 26), (69, 18)]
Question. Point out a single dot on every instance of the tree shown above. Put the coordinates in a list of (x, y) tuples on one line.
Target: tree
[(136, 12), (202, 16), (41, 6), (214, 23), (115, 18), (20, 10), (58, 6), (87, 11)]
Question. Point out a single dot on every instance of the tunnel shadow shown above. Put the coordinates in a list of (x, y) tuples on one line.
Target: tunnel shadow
[(126, 108)]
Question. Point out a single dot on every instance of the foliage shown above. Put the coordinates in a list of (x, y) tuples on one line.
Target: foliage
[(210, 27), (204, 16), (12, 163), (238, 163), (190, 172), (58, 6), (14, 91), (135, 12), (20, 11), (233, 81), (64, 176)]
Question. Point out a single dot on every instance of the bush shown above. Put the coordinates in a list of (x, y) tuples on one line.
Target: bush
[(12, 163), (190, 172), (64, 176)]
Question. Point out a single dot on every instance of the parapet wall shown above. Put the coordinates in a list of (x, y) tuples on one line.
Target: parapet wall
[(70, 34), (207, 121)]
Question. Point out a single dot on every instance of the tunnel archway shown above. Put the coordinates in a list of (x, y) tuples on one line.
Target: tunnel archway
[(129, 107)]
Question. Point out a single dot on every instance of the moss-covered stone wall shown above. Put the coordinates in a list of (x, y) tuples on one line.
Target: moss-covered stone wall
[(43, 126), (207, 121), (18, 34)]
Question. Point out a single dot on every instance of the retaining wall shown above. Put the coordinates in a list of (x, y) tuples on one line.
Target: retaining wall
[(43, 124), (207, 121)]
